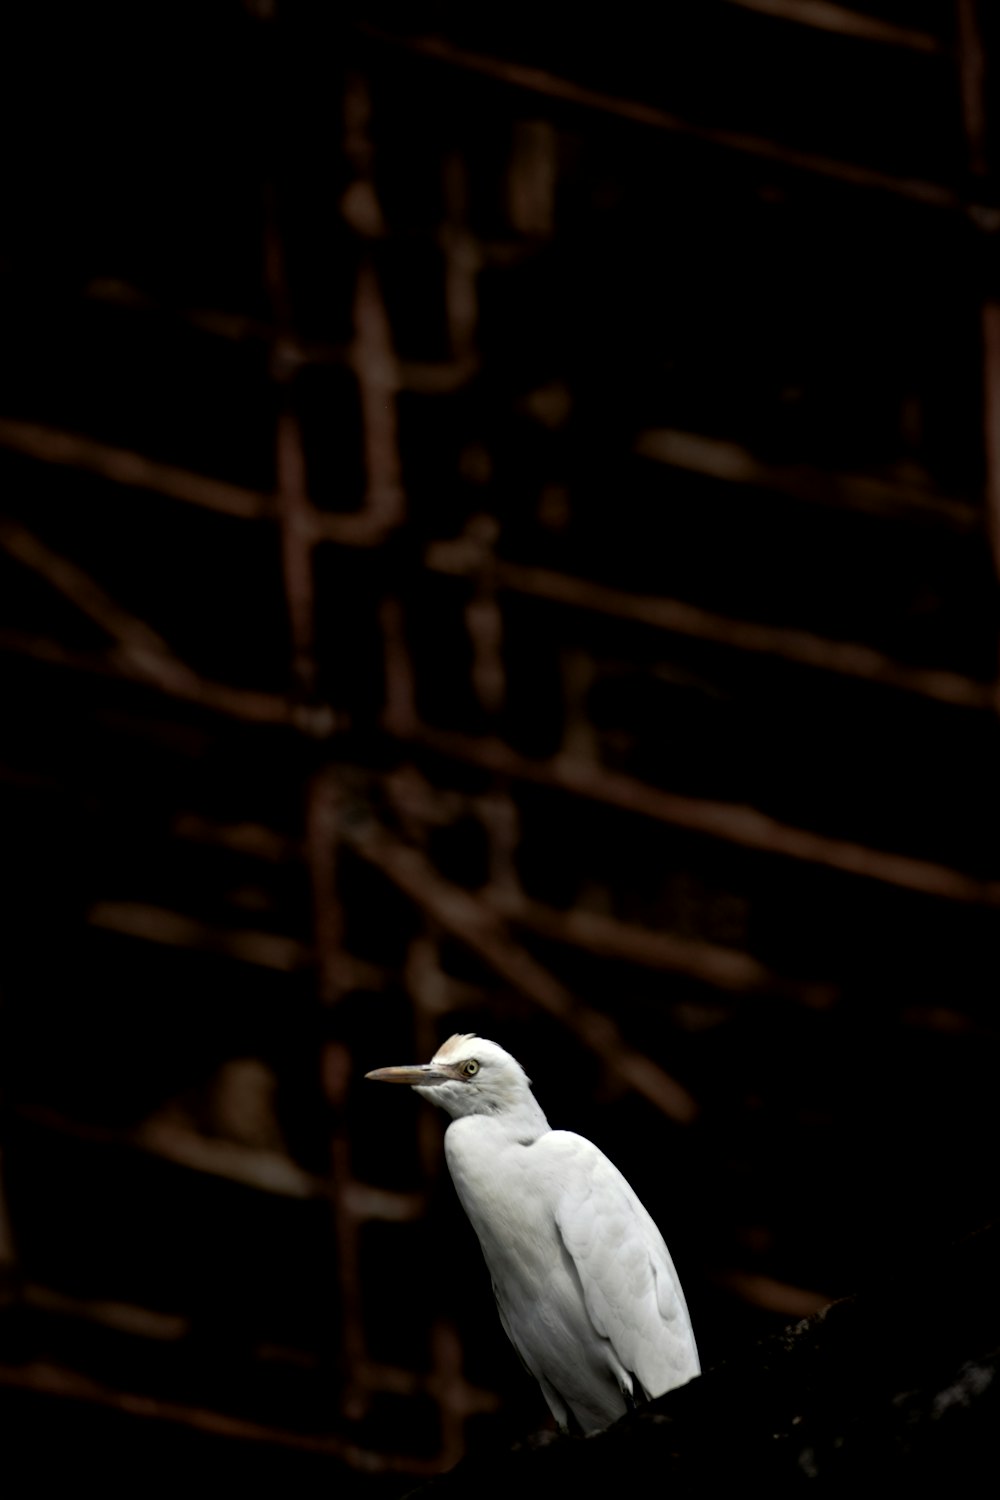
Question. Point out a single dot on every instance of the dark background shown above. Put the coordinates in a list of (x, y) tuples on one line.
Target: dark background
[(499, 532)]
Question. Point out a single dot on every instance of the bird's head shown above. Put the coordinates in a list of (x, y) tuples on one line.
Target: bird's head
[(466, 1076)]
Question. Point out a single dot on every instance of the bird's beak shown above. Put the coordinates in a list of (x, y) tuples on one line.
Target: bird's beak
[(425, 1075)]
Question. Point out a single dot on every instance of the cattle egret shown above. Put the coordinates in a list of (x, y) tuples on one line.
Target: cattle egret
[(586, 1289)]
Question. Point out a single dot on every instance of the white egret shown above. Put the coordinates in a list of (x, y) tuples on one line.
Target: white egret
[(586, 1289)]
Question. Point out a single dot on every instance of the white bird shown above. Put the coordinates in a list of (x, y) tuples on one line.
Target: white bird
[(585, 1286)]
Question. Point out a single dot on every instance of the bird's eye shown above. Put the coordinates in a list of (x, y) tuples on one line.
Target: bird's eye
[(470, 1068)]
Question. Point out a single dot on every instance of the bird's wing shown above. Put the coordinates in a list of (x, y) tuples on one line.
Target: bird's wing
[(631, 1291)]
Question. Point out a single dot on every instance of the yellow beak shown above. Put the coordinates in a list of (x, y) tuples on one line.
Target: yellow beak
[(423, 1074)]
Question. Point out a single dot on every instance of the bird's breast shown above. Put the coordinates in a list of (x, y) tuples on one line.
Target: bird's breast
[(506, 1202)]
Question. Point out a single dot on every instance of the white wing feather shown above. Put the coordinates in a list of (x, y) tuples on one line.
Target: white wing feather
[(631, 1291)]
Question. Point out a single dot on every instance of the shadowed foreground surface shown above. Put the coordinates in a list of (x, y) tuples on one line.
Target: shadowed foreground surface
[(899, 1384)]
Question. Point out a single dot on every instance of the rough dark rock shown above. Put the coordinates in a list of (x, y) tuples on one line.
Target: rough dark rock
[(899, 1384)]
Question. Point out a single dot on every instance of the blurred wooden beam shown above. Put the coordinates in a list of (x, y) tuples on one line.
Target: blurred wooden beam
[(120, 466), (243, 704), (838, 19), (485, 933), (144, 648), (173, 929), (696, 453), (563, 90), (70, 450), (991, 420), (718, 458), (254, 839), (771, 1294), (270, 1172), (432, 377), (732, 823), (123, 1317), (45, 1378), (850, 659), (422, 807), (972, 78), (721, 968)]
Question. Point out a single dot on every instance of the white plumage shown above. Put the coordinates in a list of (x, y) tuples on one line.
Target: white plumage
[(585, 1286)]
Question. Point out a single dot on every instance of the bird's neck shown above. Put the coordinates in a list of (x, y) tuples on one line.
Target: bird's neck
[(523, 1120)]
